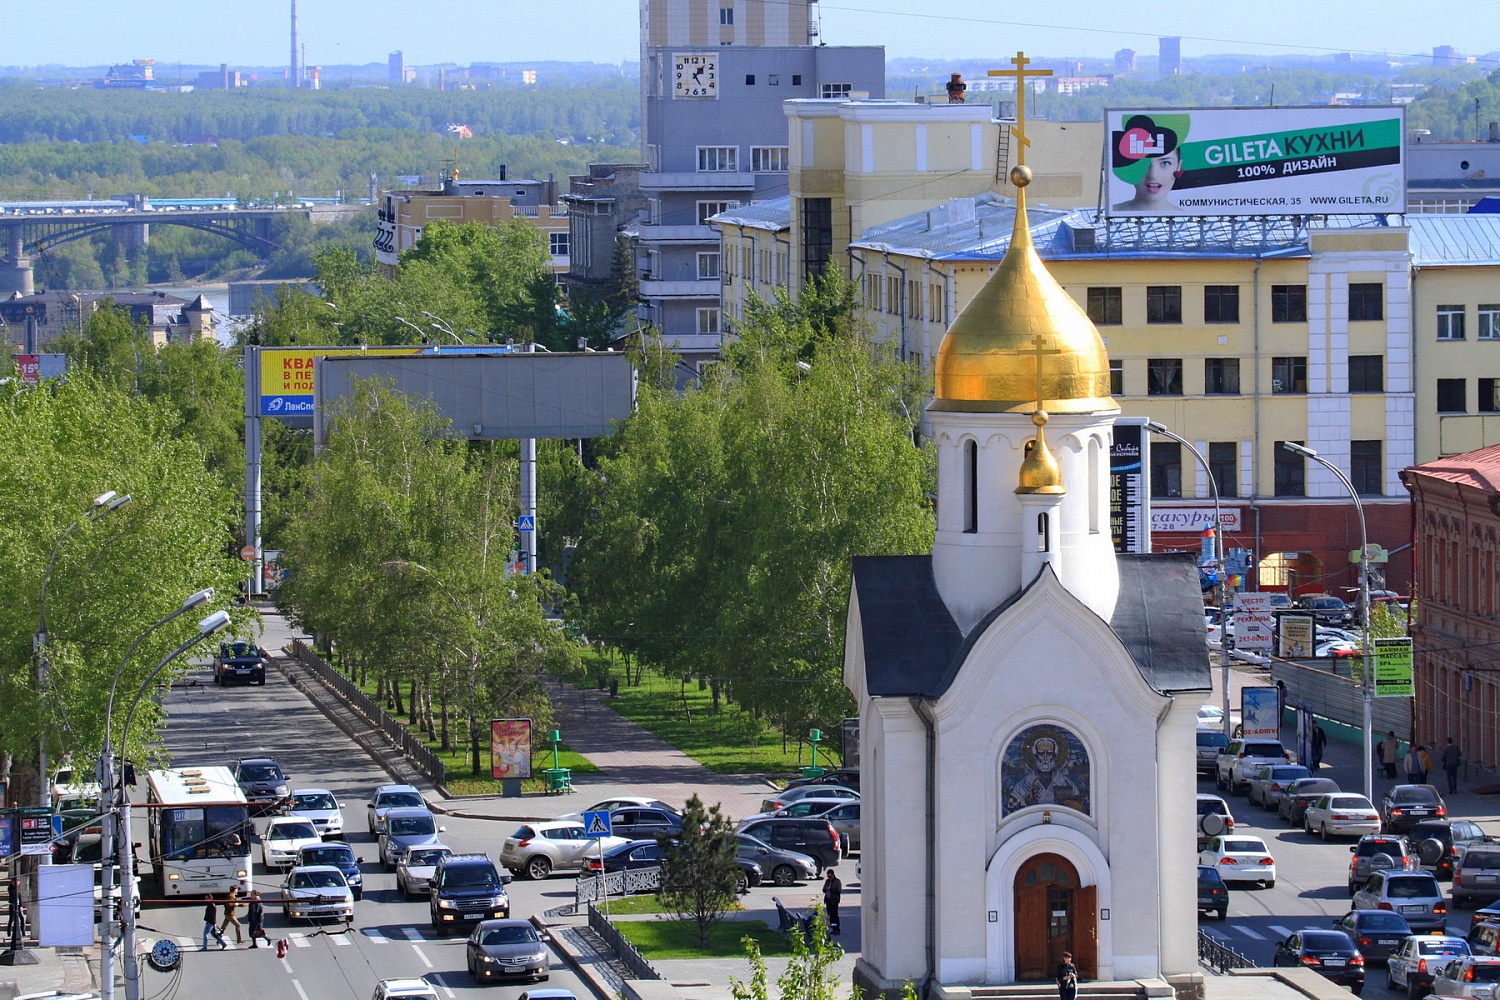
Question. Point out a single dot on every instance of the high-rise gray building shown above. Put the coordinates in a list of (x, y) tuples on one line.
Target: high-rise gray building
[(396, 72), (1169, 57), (1125, 61)]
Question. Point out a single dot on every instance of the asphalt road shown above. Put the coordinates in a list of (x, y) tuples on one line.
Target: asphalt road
[(390, 937)]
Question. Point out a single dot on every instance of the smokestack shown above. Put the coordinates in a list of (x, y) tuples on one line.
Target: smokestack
[(296, 77)]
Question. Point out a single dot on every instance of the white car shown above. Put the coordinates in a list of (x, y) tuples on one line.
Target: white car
[(284, 839), (1238, 858), (312, 892), (536, 850), (415, 868), (404, 989), (619, 802), (1341, 814), (1211, 716), (319, 805)]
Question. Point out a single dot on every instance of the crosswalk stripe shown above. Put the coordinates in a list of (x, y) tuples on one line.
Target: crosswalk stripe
[(1281, 931), (300, 940), (342, 940), (412, 934), (444, 986), (1249, 933), (188, 942), (375, 936)]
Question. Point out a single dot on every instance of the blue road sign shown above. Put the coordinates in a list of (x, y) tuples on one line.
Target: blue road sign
[(596, 823), (527, 522), (7, 843)]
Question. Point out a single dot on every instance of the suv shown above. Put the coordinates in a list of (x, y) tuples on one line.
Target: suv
[(814, 837), (1375, 853), (1440, 842), (535, 850), (1238, 761), (1470, 976), (1326, 609), (1211, 742), (466, 888), (1477, 876), (263, 782), (242, 661), (1415, 895), (1222, 821)]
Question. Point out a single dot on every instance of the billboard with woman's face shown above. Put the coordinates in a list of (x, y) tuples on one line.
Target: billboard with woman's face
[(1255, 161), (510, 748)]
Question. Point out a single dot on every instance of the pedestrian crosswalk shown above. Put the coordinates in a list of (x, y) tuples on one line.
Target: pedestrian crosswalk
[(1275, 932), (336, 935)]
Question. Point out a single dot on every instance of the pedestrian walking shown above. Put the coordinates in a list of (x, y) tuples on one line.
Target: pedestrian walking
[(211, 925), (1426, 761), (1388, 753), (833, 891), (231, 915), (255, 914), (1317, 741), (1067, 977), (15, 925), (1413, 765), (1452, 758)]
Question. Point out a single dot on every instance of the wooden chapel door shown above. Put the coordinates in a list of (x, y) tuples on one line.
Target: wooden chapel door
[(1086, 931), (1031, 932)]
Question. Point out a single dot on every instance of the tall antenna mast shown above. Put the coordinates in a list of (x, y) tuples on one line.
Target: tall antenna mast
[(295, 79)]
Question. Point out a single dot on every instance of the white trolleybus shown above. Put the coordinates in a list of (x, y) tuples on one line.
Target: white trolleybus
[(199, 831)]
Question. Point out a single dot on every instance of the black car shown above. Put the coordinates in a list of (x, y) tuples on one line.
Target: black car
[(848, 777), (626, 857), (1326, 609), (1436, 842), (466, 888), (1404, 806), (814, 837), (1292, 806), (510, 948), (1213, 894), (642, 821), (264, 783), (341, 856), (1329, 953), (242, 662), (781, 867), (1376, 932)]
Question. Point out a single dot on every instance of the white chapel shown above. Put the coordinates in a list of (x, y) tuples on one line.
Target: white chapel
[(1027, 697)]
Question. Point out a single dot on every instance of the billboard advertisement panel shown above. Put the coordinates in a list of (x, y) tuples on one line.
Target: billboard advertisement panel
[(1260, 710), (510, 748), (1129, 498), (286, 376), (1255, 161)]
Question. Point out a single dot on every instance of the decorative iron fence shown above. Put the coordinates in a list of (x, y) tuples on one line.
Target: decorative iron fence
[(1218, 956), (589, 888), (624, 950), (363, 705)]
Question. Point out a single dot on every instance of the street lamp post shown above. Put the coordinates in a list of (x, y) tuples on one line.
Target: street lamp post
[(1367, 725), (216, 622), (106, 771), (1226, 641)]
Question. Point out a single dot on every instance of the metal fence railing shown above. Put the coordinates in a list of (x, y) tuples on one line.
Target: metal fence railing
[(624, 950), (588, 888), (1217, 955), (366, 707)]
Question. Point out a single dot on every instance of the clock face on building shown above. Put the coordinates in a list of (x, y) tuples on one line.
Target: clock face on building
[(695, 75)]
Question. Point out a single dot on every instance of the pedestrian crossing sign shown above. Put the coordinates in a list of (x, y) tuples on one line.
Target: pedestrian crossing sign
[(596, 823)]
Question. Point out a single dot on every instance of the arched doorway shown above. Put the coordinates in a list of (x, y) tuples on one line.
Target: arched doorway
[(1054, 914)]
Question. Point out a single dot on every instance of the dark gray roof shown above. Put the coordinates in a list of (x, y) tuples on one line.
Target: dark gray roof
[(914, 648)]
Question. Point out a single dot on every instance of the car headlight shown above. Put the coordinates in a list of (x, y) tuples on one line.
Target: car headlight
[(445, 904), (489, 959)]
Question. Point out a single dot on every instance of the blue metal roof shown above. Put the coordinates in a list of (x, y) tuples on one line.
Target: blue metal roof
[(774, 214), (1454, 239)]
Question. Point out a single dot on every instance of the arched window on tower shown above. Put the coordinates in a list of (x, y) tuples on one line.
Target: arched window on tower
[(971, 487), (1094, 493), (1043, 533)]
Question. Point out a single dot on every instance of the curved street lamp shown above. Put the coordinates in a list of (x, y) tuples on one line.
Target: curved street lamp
[(1367, 725)]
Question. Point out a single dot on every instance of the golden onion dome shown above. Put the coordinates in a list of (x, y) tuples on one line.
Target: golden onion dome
[(1040, 472), (1022, 343)]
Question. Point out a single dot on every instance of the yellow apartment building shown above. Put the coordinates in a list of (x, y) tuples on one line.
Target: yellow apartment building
[(404, 214)]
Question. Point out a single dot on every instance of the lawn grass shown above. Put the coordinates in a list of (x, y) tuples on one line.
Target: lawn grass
[(664, 939), (639, 903), (730, 741)]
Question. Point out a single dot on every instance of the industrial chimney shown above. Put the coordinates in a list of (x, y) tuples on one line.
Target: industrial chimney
[(296, 77)]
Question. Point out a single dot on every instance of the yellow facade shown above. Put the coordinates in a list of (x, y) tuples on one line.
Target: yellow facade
[(410, 211), (1463, 357)]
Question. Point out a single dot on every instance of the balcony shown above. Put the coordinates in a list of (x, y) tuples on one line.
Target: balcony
[(707, 289), (707, 180), (678, 234)]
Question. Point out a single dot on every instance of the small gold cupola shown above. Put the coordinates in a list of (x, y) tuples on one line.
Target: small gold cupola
[(1040, 472), (1022, 331)]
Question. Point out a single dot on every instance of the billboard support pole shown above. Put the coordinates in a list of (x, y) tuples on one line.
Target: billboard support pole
[(252, 465)]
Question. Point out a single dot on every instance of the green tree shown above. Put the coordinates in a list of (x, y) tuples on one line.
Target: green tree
[(698, 871), (808, 976)]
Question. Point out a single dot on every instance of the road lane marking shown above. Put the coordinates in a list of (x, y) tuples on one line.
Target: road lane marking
[(300, 991), (1282, 931), (287, 966), (300, 940), (1249, 933), (412, 934), (442, 985), (375, 936), (342, 940), (1216, 935), (425, 961)]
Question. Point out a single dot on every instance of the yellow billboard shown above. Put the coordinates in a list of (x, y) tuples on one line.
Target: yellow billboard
[(286, 375)]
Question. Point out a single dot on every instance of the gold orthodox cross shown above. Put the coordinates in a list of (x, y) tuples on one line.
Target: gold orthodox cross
[(1020, 62), (1039, 349)]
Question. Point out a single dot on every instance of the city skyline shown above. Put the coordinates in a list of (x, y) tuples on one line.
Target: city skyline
[(339, 32)]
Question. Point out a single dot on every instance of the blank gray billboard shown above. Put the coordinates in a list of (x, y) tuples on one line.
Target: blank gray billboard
[(496, 395)]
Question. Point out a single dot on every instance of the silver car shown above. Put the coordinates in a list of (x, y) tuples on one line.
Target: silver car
[(415, 869), (1470, 976), (1269, 783), (790, 795), (313, 892), (404, 830), (536, 850), (842, 813), (1411, 966), (318, 805), (1415, 895)]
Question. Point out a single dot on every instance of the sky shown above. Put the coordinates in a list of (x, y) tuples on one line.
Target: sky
[(335, 32)]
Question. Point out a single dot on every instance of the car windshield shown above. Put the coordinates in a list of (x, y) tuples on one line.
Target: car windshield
[(1250, 846), (1368, 848), (318, 800), (1208, 873), (1485, 973), (1350, 802), (1414, 795), (1325, 604), (1317, 786), (470, 877), (412, 826), (396, 800), (1262, 749), (64, 776), (1206, 806), (1431, 947), (328, 855), (1412, 888), (511, 934), (317, 880), (291, 831), (260, 772), (242, 649), (749, 843), (1286, 773), (1324, 940), (1379, 920), (425, 857), (1482, 860), (1212, 738)]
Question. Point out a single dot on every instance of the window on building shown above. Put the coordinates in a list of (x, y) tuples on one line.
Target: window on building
[(1366, 301), (712, 159), (971, 487), (1166, 469), (708, 266), (1288, 303), (834, 89), (1221, 376), (796, 79), (726, 16), (1366, 470), (1366, 373), (1221, 303), (1290, 472), (914, 299), (749, 79), (708, 209), (1105, 306), (769, 159), (1450, 322), (1163, 304), (1116, 377), (557, 244), (1223, 465), (817, 235), (936, 305), (1164, 376), (708, 321), (1489, 322), (1452, 395), (1288, 374), (893, 295), (1489, 395)]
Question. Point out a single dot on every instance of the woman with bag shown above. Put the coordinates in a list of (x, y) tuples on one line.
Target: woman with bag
[(1067, 978)]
